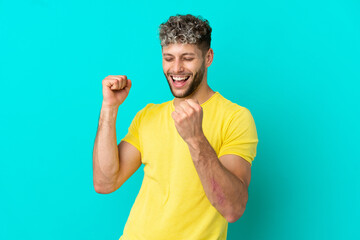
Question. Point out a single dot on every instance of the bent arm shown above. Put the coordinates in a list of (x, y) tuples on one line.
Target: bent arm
[(112, 164), (225, 180)]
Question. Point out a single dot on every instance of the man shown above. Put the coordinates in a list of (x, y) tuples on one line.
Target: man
[(197, 149)]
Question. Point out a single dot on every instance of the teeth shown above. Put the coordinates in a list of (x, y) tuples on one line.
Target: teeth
[(179, 78)]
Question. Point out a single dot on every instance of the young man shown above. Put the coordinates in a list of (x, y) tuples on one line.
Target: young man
[(197, 149)]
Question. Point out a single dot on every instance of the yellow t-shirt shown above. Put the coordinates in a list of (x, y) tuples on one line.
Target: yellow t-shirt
[(172, 203)]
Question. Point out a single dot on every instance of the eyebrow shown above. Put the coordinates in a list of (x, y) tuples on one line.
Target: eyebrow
[(190, 54)]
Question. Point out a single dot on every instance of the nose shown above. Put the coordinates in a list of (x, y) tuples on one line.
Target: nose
[(178, 66)]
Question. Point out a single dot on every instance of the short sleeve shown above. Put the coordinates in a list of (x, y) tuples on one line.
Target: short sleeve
[(240, 137), (132, 135)]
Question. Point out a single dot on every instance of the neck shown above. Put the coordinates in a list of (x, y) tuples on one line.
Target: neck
[(201, 95)]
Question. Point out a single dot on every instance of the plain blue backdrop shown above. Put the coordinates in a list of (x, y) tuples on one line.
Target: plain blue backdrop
[(294, 64)]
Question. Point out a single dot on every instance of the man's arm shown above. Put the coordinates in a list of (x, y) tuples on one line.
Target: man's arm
[(112, 164), (225, 180)]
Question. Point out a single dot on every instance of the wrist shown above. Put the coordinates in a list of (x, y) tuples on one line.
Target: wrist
[(109, 107), (196, 142), (108, 113), (199, 147)]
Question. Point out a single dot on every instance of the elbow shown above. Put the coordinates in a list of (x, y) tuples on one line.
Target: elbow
[(235, 214), (102, 189), (106, 185), (231, 218)]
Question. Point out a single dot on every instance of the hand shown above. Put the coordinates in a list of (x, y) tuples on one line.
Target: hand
[(115, 89), (188, 117)]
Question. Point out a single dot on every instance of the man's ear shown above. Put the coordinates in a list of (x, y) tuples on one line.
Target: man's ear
[(209, 57)]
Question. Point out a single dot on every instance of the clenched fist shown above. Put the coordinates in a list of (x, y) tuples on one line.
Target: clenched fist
[(188, 117), (115, 90)]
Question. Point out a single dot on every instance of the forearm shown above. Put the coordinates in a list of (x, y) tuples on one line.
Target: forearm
[(227, 193), (105, 152)]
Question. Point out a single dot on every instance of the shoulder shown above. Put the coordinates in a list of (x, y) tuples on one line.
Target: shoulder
[(231, 109)]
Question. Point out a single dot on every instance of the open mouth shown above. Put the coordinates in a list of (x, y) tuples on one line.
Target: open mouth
[(179, 80), (182, 78)]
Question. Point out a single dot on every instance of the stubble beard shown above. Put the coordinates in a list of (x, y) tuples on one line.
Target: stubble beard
[(199, 75)]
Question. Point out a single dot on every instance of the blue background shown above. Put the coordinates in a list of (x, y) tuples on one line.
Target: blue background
[(294, 64)]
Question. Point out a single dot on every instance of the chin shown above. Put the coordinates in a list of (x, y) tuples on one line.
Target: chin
[(181, 95)]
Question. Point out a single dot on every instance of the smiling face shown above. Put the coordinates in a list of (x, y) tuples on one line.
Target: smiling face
[(184, 67)]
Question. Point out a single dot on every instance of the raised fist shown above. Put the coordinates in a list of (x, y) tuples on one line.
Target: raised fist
[(115, 90), (188, 116)]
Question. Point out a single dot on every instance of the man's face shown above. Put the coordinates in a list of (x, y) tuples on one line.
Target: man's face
[(184, 68)]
